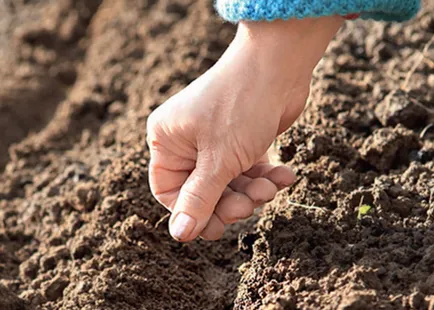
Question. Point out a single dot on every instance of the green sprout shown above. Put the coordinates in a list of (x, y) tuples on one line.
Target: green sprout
[(363, 210)]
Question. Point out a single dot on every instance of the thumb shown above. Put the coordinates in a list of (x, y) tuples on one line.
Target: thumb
[(197, 200)]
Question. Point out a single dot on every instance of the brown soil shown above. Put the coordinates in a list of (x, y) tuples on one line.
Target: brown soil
[(79, 228)]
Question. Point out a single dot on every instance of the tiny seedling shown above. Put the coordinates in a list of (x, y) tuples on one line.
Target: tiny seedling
[(363, 211)]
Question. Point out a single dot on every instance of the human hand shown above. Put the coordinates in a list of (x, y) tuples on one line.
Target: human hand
[(208, 143)]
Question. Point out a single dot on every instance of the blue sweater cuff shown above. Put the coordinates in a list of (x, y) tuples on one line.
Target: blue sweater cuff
[(255, 10)]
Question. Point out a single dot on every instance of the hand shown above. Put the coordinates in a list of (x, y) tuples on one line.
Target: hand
[(208, 143)]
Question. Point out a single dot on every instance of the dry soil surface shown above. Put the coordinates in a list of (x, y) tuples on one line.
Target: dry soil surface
[(79, 228)]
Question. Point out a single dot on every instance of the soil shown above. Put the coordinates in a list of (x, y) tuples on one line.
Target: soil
[(79, 228)]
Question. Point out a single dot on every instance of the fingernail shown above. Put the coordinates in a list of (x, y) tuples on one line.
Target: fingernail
[(182, 226)]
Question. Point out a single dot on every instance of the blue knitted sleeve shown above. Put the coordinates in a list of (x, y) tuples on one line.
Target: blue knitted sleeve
[(387, 10)]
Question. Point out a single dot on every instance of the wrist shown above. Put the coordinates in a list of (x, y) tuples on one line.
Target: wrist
[(292, 41), (278, 57), (283, 53)]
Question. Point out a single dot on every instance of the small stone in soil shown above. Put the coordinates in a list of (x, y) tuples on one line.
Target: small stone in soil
[(53, 289), (8, 300), (398, 108)]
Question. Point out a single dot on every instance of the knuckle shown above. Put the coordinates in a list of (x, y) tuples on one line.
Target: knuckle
[(154, 130)]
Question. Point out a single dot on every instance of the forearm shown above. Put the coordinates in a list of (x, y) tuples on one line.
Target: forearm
[(294, 42), (282, 52)]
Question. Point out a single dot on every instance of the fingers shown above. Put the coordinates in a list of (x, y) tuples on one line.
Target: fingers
[(259, 170), (166, 184), (261, 190), (240, 183), (282, 176), (214, 230), (262, 182), (232, 207), (244, 194), (193, 192), (196, 201), (167, 171)]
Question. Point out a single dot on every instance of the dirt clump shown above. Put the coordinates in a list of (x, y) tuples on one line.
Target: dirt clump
[(397, 108)]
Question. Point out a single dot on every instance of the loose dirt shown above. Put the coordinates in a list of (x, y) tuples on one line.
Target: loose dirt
[(79, 228)]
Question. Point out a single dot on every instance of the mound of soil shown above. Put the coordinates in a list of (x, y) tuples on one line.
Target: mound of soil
[(359, 142), (79, 228)]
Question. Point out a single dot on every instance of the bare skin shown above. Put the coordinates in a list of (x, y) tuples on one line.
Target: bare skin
[(209, 143)]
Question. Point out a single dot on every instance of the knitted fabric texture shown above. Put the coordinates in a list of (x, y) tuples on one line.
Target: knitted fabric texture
[(254, 10)]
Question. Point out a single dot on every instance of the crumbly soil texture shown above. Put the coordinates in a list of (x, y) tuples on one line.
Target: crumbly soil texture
[(79, 228)]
